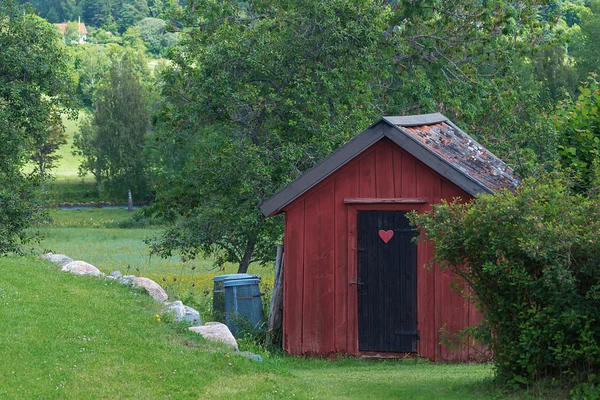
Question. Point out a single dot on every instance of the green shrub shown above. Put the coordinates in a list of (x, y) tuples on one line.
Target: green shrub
[(138, 220), (533, 260)]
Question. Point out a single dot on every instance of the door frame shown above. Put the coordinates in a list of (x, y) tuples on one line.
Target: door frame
[(354, 205)]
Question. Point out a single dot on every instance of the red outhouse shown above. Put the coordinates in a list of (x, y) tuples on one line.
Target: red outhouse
[(354, 280)]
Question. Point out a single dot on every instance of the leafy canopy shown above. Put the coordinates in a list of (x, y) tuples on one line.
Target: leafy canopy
[(34, 85), (259, 93), (112, 140)]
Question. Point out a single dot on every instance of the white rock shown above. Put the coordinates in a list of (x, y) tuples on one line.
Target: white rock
[(127, 279), (183, 312), (59, 259), (153, 288), (116, 274), (216, 331), (192, 316), (81, 268)]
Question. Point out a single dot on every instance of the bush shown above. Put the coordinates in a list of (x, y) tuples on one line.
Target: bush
[(532, 259), (138, 220)]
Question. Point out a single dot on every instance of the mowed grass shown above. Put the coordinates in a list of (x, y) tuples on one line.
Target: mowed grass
[(77, 337)]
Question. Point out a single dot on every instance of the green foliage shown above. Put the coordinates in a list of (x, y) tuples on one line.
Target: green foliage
[(257, 94), (46, 143), (466, 59), (112, 140), (91, 63), (585, 47), (578, 124), (531, 259), (34, 84), (153, 31)]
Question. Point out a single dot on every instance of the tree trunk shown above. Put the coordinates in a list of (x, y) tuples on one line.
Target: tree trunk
[(243, 267), (129, 201)]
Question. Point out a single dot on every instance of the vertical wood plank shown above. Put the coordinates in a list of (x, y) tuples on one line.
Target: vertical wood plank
[(346, 185), (367, 174), (397, 154), (384, 170), (318, 304), (352, 334), (428, 187), (409, 175), (293, 279)]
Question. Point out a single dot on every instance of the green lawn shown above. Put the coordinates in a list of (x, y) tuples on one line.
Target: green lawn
[(74, 337)]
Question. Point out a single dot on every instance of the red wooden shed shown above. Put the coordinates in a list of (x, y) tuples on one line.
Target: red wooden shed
[(354, 280)]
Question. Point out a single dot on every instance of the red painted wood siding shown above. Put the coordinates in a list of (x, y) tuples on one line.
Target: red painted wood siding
[(320, 310)]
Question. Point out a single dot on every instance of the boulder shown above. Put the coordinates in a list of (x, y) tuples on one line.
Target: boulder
[(126, 280), (59, 259), (116, 274), (153, 288), (81, 268), (216, 331), (184, 313)]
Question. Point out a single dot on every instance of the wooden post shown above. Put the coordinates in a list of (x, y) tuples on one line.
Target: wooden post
[(276, 309), (129, 201)]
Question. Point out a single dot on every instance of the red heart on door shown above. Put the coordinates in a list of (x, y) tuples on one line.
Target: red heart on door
[(386, 236)]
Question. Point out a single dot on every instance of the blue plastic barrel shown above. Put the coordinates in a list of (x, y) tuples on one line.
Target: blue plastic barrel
[(237, 302)]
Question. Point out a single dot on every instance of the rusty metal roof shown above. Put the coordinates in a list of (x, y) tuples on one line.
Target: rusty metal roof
[(432, 139), (463, 153)]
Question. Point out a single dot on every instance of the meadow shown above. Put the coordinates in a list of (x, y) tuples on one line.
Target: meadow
[(90, 235)]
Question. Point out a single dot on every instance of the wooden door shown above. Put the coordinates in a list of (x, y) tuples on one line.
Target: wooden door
[(387, 283)]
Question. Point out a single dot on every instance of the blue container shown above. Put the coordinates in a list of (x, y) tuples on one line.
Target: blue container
[(237, 301)]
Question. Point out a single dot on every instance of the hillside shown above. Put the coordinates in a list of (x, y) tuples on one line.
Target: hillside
[(67, 336)]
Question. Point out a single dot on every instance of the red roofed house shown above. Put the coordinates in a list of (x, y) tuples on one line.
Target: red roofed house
[(354, 280), (81, 29)]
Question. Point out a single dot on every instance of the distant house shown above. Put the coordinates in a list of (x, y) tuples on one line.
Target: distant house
[(80, 28)]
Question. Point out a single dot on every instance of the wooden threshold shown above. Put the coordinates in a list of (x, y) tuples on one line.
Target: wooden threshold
[(352, 200)]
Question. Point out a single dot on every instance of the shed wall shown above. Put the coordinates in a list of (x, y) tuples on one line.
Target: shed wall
[(320, 310)]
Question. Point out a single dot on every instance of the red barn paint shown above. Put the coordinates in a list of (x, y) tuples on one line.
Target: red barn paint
[(398, 164)]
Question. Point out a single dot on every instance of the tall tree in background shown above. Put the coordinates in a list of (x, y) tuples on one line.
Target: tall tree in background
[(260, 92), (585, 47), (91, 63), (112, 140), (34, 86), (45, 145)]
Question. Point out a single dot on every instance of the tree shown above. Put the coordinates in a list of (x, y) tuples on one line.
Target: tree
[(578, 126), (91, 63), (260, 92), (470, 60), (153, 31), (112, 140), (585, 48), (71, 33), (34, 86), (45, 145)]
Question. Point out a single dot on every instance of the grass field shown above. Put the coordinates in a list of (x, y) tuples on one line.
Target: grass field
[(73, 337), (83, 235)]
